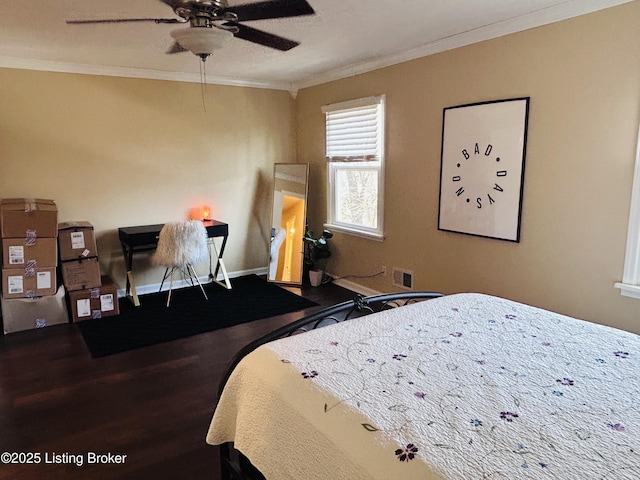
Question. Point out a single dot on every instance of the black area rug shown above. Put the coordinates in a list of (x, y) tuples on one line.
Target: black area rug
[(249, 299)]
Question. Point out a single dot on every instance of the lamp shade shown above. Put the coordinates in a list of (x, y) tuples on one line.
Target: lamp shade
[(201, 41)]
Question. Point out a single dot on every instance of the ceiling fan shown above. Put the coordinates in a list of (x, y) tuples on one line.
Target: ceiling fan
[(213, 22)]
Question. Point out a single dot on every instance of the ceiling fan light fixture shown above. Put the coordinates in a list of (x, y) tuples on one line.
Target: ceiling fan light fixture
[(201, 41)]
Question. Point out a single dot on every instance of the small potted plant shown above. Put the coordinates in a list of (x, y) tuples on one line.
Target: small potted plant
[(316, 252)]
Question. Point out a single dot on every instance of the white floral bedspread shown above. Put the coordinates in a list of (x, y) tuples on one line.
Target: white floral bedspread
[(466, 386)]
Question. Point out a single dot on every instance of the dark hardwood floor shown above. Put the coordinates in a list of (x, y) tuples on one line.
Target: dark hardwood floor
[(153, 404)]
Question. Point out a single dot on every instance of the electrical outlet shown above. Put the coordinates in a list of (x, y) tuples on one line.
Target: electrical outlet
[(384, 270)]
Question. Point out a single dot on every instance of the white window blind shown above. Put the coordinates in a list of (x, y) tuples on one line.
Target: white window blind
[(354, 130)]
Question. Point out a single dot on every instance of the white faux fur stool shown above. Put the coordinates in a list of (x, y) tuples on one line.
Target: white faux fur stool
[(180, 246)]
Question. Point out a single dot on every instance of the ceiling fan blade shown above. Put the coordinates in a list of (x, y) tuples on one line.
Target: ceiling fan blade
[(124, 20), (262, 38), (176, 48), (271, 9)]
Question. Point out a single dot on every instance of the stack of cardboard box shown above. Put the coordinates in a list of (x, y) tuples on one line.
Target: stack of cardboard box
[(30, 297), (90, 294)]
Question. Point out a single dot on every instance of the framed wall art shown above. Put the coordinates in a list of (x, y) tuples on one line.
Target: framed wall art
[(482, 168)]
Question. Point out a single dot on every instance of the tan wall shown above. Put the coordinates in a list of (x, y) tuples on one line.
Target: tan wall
[(120, 152), (583, 77)]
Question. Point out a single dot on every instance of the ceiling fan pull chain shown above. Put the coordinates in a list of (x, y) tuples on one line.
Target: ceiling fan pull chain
[(203, 84)]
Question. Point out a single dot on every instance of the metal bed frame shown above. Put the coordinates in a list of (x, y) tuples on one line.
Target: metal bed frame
[(234, 465)]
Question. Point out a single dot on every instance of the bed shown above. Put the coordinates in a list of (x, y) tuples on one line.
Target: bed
[(464, 386)]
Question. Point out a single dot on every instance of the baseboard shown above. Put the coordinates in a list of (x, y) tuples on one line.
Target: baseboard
[(155, 287), (367, 292), (354, 287)]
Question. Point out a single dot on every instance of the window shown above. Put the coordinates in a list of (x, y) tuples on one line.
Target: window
[(355, 155), (630, 285)]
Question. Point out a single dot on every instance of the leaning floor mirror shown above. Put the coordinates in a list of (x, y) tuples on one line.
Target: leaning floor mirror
[(289, 211)]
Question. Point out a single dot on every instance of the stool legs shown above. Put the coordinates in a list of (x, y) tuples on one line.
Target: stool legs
[(192, 272), (168, 273)]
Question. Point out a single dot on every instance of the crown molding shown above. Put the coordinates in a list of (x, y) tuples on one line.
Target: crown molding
[(100, 70), (291, 178), (557, 13)]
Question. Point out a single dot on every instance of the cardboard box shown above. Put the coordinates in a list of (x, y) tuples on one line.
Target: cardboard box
[(28, 217), (20, 314), (35, 252), (95, 302), (81, 274), (28, 282), (76, 240)]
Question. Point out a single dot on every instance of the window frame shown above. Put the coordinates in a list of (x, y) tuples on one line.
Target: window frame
[(630, 285), (333, 167)]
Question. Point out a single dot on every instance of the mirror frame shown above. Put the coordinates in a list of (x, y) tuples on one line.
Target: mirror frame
[(289, 246)]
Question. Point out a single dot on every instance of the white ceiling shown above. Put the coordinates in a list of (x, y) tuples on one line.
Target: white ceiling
[(344, 38)]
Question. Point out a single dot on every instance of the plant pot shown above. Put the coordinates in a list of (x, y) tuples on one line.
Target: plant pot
[(315, 277)]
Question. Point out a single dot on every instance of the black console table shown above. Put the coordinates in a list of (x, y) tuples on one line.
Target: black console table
[(144, 238)]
